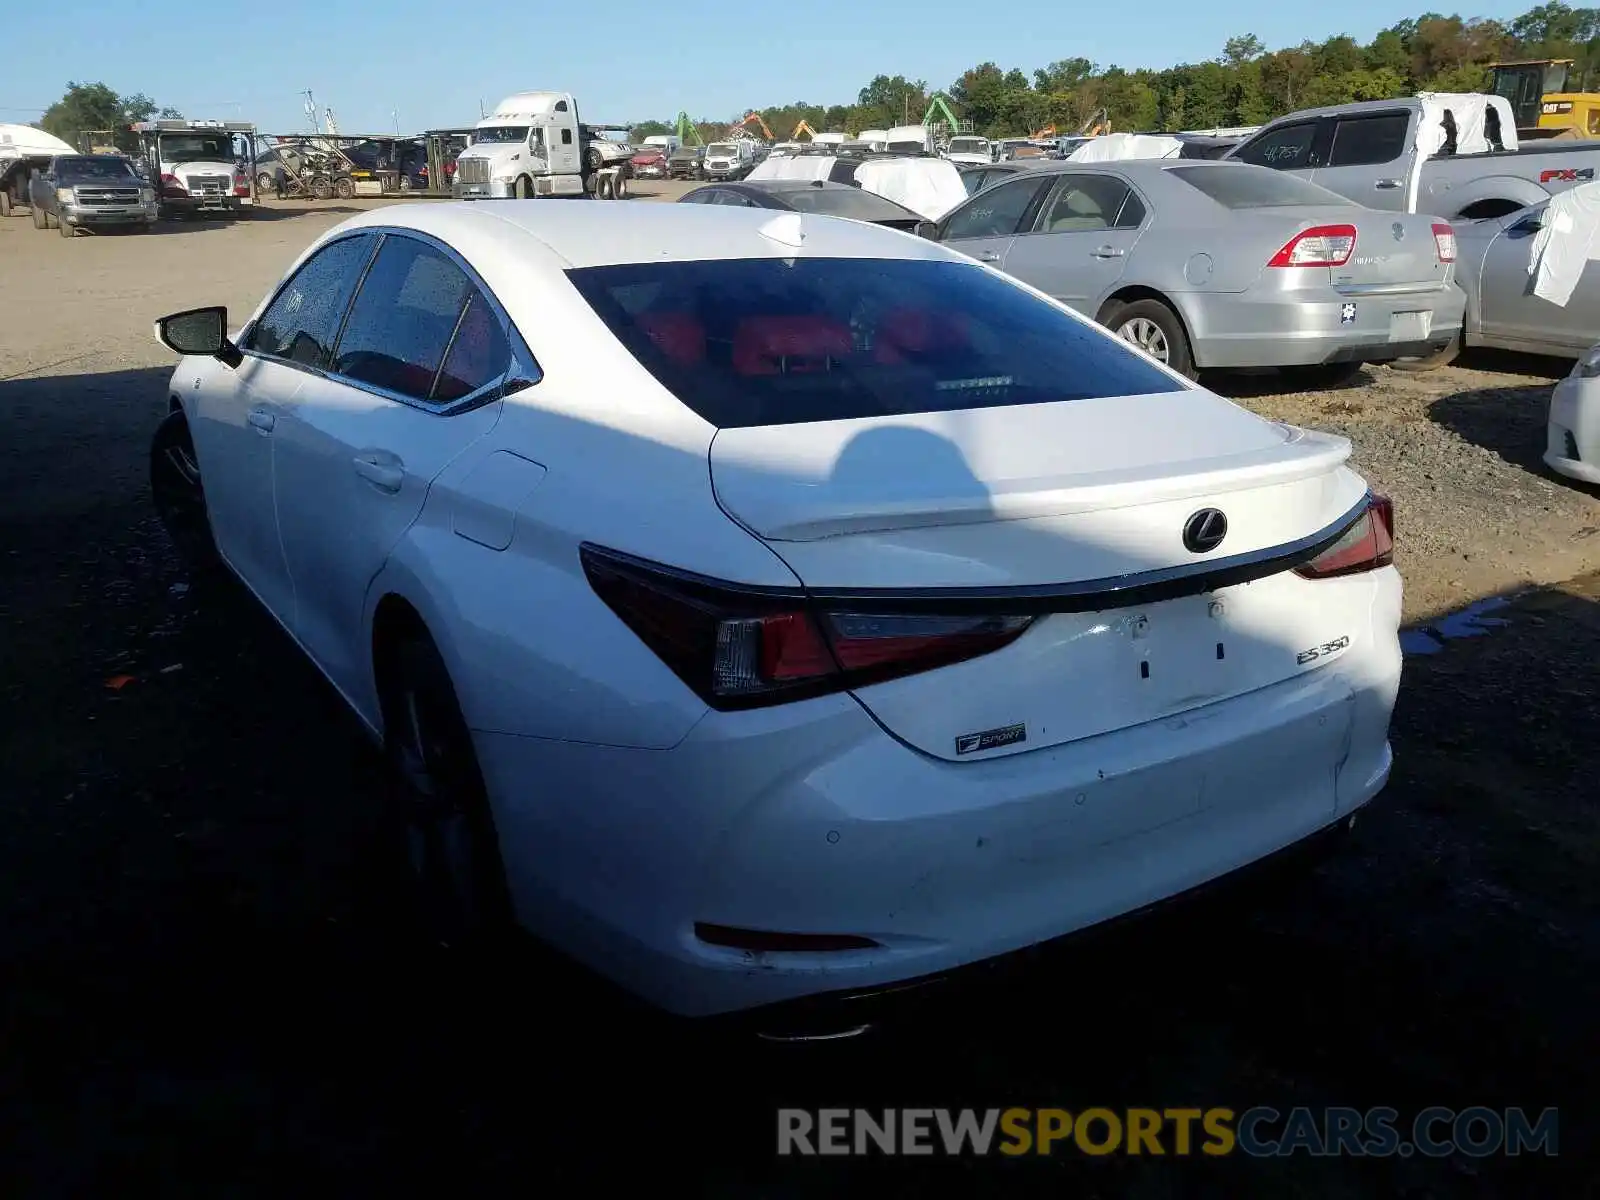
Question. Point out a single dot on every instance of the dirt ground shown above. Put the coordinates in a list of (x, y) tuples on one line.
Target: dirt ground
[(207, 988)]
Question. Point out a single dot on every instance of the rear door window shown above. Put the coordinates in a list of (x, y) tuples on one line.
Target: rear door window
[(769, 341), (1083, 203), (1286, 148), (420, 328), (1369, 141)]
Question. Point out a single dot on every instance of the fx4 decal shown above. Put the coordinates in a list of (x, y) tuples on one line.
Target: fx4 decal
[(1567, 175), (1321, 651)]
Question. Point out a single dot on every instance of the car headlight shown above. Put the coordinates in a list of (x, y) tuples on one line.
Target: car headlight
[(63, 195), (1589, 365)]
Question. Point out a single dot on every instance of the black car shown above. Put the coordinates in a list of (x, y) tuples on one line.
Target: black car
[(823, 197)]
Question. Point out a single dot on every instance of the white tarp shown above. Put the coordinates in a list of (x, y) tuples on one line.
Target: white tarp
[(1470, 111), (1568, 239), (1115, 147), (24, 141), (929, 187), (797, 166)]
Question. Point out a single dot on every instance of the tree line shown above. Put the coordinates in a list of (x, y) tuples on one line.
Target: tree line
[(1247, 84), (95, 108)]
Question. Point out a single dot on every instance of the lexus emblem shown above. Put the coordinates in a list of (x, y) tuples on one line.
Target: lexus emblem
[(1399, 231), (1203, 532)]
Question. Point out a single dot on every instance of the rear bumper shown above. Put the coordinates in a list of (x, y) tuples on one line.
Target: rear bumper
[(1248, 329), (1573, 436), (808, 818)]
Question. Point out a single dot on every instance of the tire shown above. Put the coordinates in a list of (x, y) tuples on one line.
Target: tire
[(6, 203), (321, 190), (1430, 362), (1155, 329), (264, 182), (523, 189), (621, 192), (51, 220), (1323, 377), (178, 492), (344, 188), (440, 807), (38, 217), (605, 188)]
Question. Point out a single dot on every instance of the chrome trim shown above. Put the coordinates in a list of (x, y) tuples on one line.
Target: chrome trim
[(523, 371), (1088, 595)]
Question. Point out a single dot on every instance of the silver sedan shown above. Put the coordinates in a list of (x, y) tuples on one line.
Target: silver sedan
[(1221, 264), (1502, 311)]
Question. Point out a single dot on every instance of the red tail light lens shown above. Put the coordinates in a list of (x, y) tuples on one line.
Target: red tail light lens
[(1319, 246), (1445, 239), (1366, 545), (744, 648)]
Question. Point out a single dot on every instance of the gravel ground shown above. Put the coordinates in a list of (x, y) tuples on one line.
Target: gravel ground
[(208, 986)]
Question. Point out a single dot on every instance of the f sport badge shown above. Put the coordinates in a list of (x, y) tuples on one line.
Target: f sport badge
[(991, 739), (1347, 313)]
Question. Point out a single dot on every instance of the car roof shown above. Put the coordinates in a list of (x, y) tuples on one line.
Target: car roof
[(595, 233)]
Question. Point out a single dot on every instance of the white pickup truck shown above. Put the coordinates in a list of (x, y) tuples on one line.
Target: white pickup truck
[(1449, 154), (535, 144)]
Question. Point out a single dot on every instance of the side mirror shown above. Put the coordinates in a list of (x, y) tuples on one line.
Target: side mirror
[(199, 331), (928, 229)]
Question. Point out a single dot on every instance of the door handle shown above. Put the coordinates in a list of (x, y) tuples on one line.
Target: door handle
[(1387, 184), (988, 256), (1109, 252), (262, 419), (385, 474)]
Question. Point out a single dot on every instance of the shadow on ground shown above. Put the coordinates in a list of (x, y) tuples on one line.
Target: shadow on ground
[(209, 984)]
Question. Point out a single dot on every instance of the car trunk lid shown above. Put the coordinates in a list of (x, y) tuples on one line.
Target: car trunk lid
[(1071, 514)]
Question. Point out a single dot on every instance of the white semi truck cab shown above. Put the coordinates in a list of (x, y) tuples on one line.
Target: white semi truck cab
[(533, 144), (200, 166)]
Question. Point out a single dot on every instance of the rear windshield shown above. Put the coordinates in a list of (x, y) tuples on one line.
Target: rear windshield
[(855, 203), (770, 341), (1240, 186)]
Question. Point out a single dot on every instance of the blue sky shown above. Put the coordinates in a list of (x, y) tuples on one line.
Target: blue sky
[(628, 60)]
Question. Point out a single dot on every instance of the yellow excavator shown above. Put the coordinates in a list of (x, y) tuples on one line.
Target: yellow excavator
[(1536, 89)]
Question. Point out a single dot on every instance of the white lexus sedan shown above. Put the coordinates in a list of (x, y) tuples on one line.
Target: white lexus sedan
[(764, 606)]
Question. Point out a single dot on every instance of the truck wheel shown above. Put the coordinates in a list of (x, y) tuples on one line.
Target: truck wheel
[(5, 203), (523, 189), (320, 190), (605, 188), (621, 191), (344, 188), (38, 217)]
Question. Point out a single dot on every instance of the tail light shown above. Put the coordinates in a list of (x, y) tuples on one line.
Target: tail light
[(1445, 239), (739, 647), (1366, 545), (1319, 246)]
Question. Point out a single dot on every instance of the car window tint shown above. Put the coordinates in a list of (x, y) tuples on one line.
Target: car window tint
[(703, 196), (994, 212), (479, 352), (1286, 148), (973, 180), (403, 319), (771, 341), (1368, 141), (302, 321), (1081, 203), (1132, 214)]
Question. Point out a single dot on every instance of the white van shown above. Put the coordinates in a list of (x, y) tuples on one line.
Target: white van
[(729, 160)]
